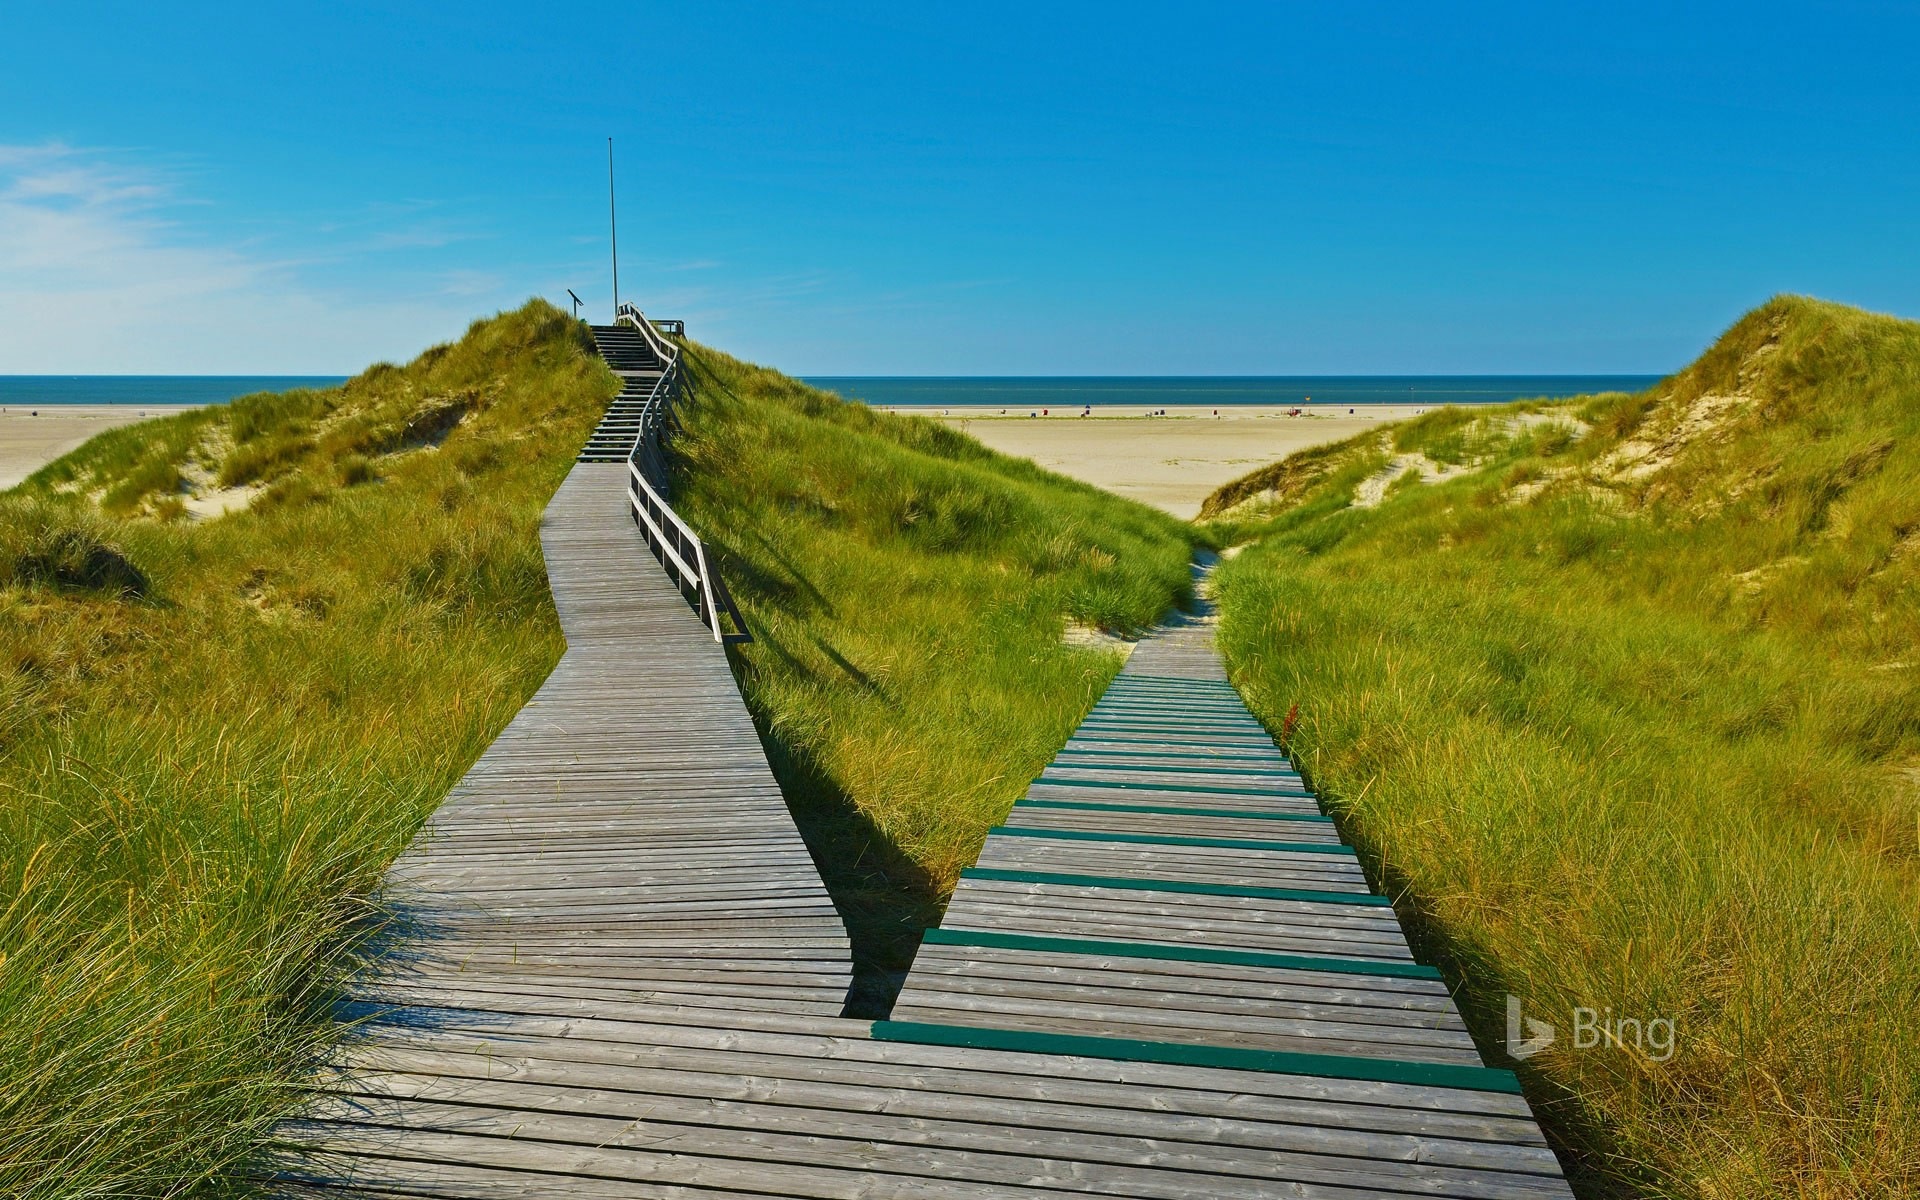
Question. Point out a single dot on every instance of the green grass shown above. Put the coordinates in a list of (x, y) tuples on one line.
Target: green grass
[(1644, 740), (907, 590), (214, 735)]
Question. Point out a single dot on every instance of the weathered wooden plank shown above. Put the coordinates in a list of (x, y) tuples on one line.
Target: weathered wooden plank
[(782, 1045), (991, 1008), (1182, 887), (694, 1076), (1365, 998), (919, 1152)]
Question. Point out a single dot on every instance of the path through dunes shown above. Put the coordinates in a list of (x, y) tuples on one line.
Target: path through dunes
[(1170, 1059), (618, 975), (622, 842), (1168, 892)]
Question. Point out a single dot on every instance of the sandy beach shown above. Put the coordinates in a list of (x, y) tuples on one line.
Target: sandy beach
[(1172, 462), (32, 437)]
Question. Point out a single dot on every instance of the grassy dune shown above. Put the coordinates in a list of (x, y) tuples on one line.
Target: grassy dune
[(908, 590), (215, 734), (1624, 696)]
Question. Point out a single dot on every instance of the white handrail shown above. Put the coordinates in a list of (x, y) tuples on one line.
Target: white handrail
[(659, 345), (671, 539)]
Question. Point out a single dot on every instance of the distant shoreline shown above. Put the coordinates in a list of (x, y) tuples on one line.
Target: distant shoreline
[(1172, 461), (1378, 411), (32, 436), (917, 393), (932, 392), (149, 391)]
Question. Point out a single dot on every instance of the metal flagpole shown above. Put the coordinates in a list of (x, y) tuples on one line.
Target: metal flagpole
[(613, 228)]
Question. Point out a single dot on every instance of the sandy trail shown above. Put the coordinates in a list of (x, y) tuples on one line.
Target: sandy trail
[(29, 442), (1173, 462)]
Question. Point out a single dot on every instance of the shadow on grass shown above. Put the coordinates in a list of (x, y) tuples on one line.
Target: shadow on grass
[(860, 678), (886, 900), (794, 593)]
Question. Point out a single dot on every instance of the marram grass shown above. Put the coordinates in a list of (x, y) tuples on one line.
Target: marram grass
[(1631, 721), (215, 735), (907, 590)]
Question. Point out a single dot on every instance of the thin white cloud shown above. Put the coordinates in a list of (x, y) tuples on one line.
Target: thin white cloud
[(426, 236), (470, 283), (105, 268)]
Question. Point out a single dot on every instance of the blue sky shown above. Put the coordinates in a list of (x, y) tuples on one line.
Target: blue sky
[(954, 189)]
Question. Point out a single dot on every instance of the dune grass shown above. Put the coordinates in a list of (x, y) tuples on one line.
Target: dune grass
[(214, 736), (1629, 715), (907, 590)]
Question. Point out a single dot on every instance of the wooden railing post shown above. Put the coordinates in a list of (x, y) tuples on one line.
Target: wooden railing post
[(671, 540)]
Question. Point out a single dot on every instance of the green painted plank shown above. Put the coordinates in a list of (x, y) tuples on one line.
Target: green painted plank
[(1163, 714), (1190, 735), (1155, 839), (1122, 696), (1204, 701), (1046, 944), (1183, 886), (1130, 696), (1190, 727), (1251, 743), (1179, 755), (1298, 793), (1278, 1062), (1186, 716), (1124, 691), (1173, 694), (1059, 761), (1173, 810)]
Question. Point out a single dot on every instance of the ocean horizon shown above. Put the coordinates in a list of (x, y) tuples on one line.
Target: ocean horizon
[(1222, 391), (930, 391), (18, 391)]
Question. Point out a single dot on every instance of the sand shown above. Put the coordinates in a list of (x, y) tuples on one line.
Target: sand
[(1172, 462), (29, 442)]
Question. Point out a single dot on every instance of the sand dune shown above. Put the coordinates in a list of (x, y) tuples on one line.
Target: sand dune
[(32, 437), (1172, 462)]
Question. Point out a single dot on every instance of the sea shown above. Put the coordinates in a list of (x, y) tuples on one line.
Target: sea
[(1010, 392), (31, 391), (1216, 391)]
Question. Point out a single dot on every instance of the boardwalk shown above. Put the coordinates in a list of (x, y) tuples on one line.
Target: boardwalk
[(618, 976), (579, 1092), (1168, 891), (624, 837), (623, 841)]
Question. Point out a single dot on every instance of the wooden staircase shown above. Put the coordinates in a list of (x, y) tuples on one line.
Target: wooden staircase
[(630, 357)]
